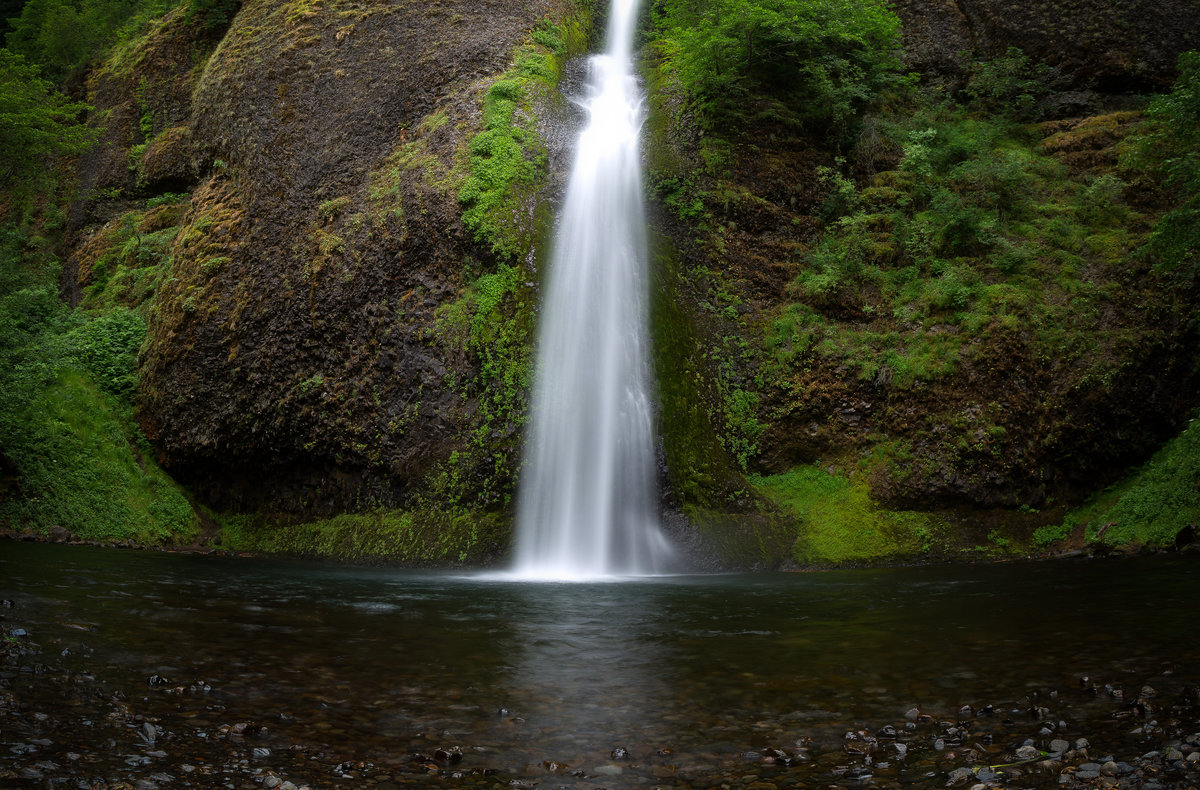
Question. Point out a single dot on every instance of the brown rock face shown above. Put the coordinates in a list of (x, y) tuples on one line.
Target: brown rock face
[(296, 360), (1111, 46)]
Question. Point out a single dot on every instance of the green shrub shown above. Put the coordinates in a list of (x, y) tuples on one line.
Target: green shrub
[(66, 423), (1008, 85), (811, 64), (61, 35), (1172, 149), (37, 123)]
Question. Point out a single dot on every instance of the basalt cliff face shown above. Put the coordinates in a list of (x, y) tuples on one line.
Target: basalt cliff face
[(293, 362), (1117, 46), (332, 336)]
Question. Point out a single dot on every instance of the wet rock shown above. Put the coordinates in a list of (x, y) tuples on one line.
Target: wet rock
[(1027, 753), (448, 755), (912, 714), (157, 680), (621, 753), (271, 782), (959, 776), (1059, 746)]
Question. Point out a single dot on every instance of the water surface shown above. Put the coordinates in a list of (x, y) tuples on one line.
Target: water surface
[(362, 675)]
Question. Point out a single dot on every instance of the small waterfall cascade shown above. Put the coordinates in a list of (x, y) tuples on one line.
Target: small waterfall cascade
[(587, 502)]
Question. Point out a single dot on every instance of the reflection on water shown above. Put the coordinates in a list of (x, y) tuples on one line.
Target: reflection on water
[(366, 672)]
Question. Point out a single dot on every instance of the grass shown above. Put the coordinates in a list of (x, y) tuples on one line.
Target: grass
[(1147, 508)]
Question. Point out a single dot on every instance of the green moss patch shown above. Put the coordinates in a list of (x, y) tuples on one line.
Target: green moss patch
[(508, 158), (838, 522), (395, 536)]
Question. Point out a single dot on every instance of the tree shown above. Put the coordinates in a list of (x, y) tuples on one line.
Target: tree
[(37, 123)]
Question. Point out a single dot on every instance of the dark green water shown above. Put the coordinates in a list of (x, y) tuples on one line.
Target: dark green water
[(359, 675)]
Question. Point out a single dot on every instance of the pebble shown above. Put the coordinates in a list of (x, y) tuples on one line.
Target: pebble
[(959, 776)]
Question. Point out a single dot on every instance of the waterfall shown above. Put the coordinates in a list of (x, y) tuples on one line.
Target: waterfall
[(587, 502)]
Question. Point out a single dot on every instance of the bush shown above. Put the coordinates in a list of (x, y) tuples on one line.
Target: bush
[(812, 64), (60, 36), (36, 122), (1009, 85), (1172, 149)]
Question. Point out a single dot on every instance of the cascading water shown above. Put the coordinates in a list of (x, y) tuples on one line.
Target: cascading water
[(587, 501)]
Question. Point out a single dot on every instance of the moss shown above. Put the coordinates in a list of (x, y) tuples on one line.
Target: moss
[(508, 158), (411, 538), (493, 322), (700, 470), (838, 522)]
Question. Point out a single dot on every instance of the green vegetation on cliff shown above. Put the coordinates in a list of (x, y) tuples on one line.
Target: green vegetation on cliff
[(37, 125), (811, 64), (1172, 148), (72, 456), (929, 284), (1148, 508)]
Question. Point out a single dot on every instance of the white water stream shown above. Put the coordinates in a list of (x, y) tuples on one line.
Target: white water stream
[(587, 504)]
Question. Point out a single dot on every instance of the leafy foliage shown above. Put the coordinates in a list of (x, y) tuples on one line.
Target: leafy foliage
[(66, 425), (60, 36), (1152, 505), (1172, 148), (1008, 85), (973, 233), (36, 122), (798, 63)]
